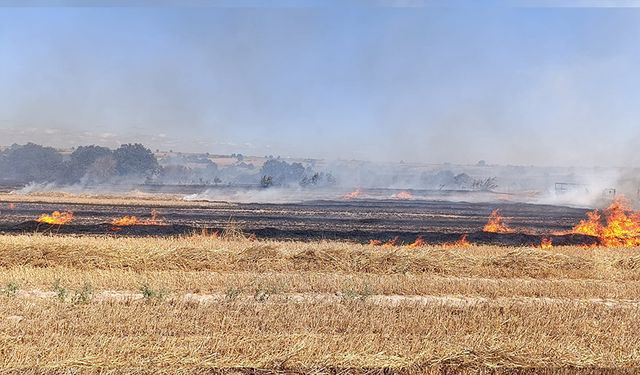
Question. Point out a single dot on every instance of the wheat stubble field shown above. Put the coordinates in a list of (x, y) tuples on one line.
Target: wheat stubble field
[(226, 303)]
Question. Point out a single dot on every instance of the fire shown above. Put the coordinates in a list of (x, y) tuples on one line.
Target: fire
[(591, 226), (462, 242), (403, 195), (125, 220), (133, 220), (353, 195), (546, 243), (56, 217), (622, 227), (391, 243), (417, 243), (496, 223)]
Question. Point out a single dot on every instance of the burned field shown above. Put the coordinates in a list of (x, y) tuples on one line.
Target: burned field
[(360, 221)]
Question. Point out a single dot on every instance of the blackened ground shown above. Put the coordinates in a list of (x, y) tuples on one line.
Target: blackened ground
[(358, 220), (399, 237)]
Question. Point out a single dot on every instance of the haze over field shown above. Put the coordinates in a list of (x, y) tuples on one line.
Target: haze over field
[(503, 83)]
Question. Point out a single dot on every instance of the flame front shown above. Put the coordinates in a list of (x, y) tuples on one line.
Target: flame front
[(546, 243), (496, 223), (622, 227), (462, 242), (125, 220), (133, 220), (403, 195), (392, 242), (353, 195), (419, 242), (57, 217)]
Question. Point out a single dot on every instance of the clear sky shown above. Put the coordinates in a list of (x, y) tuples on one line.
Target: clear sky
[(382, 80)]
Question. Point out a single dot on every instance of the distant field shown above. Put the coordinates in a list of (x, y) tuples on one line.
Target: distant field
[(202, 303)]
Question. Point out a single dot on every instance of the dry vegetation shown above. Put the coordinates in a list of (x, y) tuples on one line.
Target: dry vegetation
[(114, 199), (200, 303)]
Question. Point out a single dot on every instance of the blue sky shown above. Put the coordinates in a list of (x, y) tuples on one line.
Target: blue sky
[(511, 85)]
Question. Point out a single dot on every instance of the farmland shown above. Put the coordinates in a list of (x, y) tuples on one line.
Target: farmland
[(359, 221), (226, 300), (213, 303)]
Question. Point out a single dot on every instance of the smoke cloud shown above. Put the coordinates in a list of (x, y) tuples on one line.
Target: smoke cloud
[(510, 86)]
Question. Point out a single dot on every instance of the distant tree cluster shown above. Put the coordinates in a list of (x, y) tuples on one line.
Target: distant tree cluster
[(276, 172), (448, 180), (30, 162), (94, 164)]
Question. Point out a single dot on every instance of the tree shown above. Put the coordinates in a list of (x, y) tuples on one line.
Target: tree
[(101, 170), (487, 184), (31, 163), (81, 160), (266, 181), (282, 172), (318, 179), (135, 160)]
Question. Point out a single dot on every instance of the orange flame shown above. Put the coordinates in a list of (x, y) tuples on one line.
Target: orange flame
[(546, 243), (622, 227), (132, 220), (496, 223), (403, 195), (391, 243), (462, 242), (417, 243), (353, 195), (125, 220), (56, 217)]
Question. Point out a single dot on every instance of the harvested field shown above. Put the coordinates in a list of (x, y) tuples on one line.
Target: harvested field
[(202, 303)]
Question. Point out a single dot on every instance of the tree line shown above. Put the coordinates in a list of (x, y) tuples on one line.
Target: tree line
[(95, 165), (35, 163)]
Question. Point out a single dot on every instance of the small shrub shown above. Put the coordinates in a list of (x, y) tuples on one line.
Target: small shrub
[(232, 293), (261, 295), (11, 289), (149, 293), (61, 292), (357, 294), (83, 295)]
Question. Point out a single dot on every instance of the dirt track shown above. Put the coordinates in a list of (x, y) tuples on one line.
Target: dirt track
[(359, 220), (126, 296)]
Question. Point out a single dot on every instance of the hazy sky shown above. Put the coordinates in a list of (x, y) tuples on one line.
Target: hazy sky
[(516, 85)]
